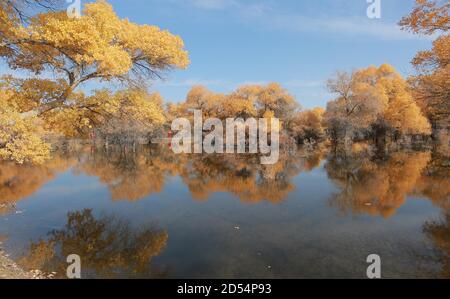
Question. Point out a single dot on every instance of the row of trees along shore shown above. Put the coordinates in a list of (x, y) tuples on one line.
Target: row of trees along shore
[(60, 57)]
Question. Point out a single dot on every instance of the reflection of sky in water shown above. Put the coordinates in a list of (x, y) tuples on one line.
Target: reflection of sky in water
[(304, 235)]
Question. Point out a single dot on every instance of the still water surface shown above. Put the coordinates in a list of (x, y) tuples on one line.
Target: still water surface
[(151, 213)]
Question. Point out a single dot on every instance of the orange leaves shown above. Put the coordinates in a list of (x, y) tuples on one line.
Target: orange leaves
[(308, 124), (376, 95), (428, 17), (97, 46), (431, 85), (98, 39), (21, 139), (247, 101)]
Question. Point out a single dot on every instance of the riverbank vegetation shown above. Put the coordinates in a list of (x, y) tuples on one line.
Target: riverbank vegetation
[(63, 56)]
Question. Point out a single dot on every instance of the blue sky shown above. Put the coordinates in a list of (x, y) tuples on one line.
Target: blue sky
[(296, 43)]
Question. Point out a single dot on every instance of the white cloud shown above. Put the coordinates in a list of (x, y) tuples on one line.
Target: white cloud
[(265, 15), (243, 8), (356, 26)]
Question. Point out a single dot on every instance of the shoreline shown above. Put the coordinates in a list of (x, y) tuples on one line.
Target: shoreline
[(9, 269)]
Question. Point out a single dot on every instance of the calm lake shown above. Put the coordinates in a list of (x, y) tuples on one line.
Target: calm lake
[(151, 213)]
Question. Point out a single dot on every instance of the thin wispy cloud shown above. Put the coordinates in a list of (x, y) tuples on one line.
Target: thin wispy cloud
[(269, 16), (355, 26), (243, 8)]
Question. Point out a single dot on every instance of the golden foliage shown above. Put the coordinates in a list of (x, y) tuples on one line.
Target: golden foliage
[(132, 109), (20, 139), (428, 17), (97, 46), (247, 101), (375, 95), (98, 41), (308, 124), (431, 84)]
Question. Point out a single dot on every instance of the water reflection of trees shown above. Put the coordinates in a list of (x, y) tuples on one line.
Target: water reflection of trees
[(20, 181), (108, 247), (129, 175), (245, 177), (435, 185), (438, 232), (135, 174), (379, 186), (375, 186)]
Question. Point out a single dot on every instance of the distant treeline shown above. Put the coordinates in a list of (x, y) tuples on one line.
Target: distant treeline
[(64, 54)]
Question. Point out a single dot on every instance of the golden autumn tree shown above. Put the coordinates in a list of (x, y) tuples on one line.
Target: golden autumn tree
[(200, 98), (246, 101), (16, 12), (428, 17), (307, 125), (273, 97), (20, 138), (241, 103), (401, 112), (431, 84), (373, 101), (99, 47), (120, 113), (21, 10)]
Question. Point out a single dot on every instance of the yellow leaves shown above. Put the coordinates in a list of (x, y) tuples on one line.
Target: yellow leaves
[(235, 105), (140, 106), (247, 101), (431, 85), (112, 61), (98, 45), (158, 45), (376, 94), (436, 58), (307, 124), (268, 114), (20, 139), (276, 98), (118, 111), (404, 115), (427, 17), (28, 94), (67, 121)]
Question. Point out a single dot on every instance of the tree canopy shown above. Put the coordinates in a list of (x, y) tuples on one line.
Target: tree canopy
[(431, 84), (62, 54)]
